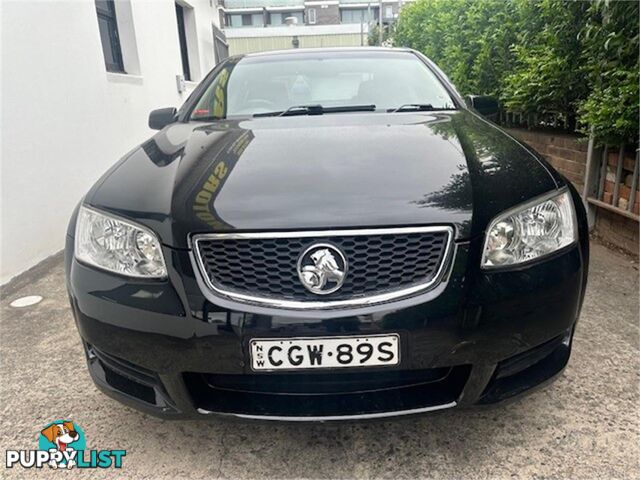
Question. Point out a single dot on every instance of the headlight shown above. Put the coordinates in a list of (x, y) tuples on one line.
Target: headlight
[(118, 245), (530, 231)]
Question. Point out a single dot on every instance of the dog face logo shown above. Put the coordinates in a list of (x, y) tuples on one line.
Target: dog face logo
[(62, 439), (322, 269), (61, 434)]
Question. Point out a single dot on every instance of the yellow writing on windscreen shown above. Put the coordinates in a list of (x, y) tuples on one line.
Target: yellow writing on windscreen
[(219, 94)]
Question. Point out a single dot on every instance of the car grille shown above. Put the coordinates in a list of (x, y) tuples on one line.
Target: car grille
[(300, 395), (264, 266)]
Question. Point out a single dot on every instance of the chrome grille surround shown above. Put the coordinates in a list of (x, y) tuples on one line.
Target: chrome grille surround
[(312, 236)]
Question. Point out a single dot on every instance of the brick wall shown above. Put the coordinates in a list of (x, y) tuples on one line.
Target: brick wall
[(568, 155), (618, 230)]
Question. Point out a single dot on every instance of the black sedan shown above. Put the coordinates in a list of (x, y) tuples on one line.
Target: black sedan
[(326, 234)]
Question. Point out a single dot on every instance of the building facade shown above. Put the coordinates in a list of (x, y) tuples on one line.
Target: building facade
[(259, 25), (78, 81), (258, 39), (274, 13)]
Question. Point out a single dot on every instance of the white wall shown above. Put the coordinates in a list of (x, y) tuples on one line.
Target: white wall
[(65, 120)]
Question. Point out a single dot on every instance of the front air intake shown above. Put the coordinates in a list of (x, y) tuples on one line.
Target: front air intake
[(380, 264)]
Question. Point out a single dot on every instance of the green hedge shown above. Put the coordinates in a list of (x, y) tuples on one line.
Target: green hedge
[(575, 60)]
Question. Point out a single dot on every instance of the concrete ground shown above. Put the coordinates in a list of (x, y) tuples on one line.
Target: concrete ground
[(586, 425)]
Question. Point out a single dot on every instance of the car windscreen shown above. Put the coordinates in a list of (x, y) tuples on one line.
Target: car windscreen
[(264, 84)]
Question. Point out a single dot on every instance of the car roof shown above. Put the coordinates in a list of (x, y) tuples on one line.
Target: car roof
[(293, 51)]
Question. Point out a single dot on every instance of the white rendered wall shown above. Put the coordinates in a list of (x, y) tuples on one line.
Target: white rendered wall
[(65, 120)]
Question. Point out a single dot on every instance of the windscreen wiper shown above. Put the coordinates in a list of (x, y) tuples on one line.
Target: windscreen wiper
[(316, 110), (417, 107)]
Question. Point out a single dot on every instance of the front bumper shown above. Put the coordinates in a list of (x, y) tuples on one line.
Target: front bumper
[(478, 338)]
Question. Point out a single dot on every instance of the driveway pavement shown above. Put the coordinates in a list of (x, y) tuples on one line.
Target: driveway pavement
[(585, 425)]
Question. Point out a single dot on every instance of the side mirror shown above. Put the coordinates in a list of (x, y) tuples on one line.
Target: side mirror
[(485, 106), (160, 118)]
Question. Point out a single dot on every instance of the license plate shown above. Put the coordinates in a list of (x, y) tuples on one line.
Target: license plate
[(324, 352)]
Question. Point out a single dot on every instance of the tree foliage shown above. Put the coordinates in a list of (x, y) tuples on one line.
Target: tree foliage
[(545, 77), (373, 38), (577, 60), (610, 57), (475, 58)]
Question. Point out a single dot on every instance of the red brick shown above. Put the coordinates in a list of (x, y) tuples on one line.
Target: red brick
[(565, 142), (573, 178), (575, 167), (628, 164), (568, 154), (608, 187), (625, 192), (580, 144), (572, 142), (556, 162), (542, 148)]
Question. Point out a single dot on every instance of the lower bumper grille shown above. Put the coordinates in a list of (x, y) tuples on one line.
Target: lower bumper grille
[(126, 378), (528, 369), (316, 396), (130, 387)]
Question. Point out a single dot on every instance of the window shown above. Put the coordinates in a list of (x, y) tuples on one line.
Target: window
[(234, 20), (297, 15), (311, 16), (108, 26), (244, 20), (275, 19), (356, 15), (182, 36), (213, 103), (388, 11), (270, 84)]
